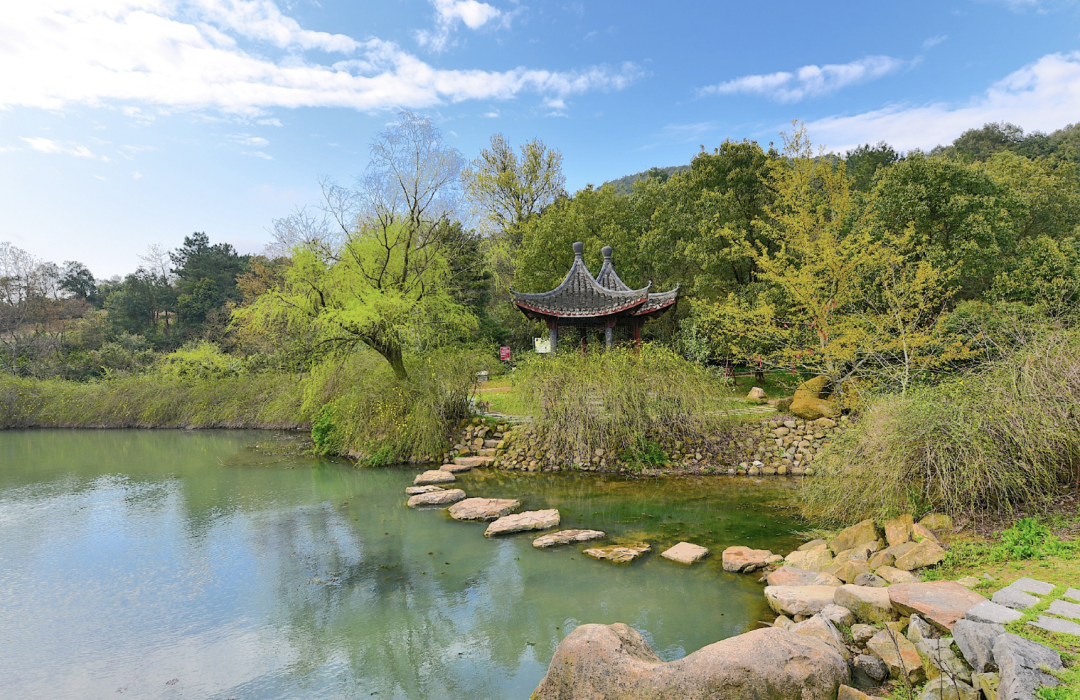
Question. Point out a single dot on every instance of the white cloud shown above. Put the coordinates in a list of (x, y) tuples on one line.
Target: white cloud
[(137, 175), (809, 81), (448, 13), (934, 41), (1043, 96), (249, 140), (167, 54), (51, 146), (258, 154)]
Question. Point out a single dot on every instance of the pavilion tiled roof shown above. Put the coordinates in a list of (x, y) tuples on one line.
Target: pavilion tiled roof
[(581, 296), (610, 279)]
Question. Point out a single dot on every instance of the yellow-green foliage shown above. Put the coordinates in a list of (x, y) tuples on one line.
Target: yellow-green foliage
[(1006, 435), (200, 360)]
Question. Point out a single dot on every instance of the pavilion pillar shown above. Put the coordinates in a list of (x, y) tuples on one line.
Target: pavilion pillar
[(637, 335), (609, 333), (553, 334)]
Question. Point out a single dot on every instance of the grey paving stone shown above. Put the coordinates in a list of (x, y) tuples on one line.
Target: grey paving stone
[(1019, 660), (1030, 585), (1060, 607), (1054, 624), (1015, 599), (976, 641), (992, 613), (1072, 593)]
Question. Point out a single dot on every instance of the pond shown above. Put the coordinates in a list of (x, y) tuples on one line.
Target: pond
[(197, 565)]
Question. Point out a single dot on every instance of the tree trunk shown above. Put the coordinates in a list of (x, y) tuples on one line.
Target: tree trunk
[(392, 352)]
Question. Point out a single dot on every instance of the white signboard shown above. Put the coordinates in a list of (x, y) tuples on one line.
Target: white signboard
[(542, 345)]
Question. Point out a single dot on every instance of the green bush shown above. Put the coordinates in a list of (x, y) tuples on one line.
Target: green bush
[(1029, 539)]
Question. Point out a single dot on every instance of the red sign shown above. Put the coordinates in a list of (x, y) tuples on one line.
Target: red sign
[(504, 354)]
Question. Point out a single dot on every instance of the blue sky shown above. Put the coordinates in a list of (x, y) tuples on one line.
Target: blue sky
[(125, 123)]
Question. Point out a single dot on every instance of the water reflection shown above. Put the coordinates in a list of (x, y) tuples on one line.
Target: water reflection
[(130, 560)]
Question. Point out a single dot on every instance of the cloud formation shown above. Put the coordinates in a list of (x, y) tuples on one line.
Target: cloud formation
[(44, 145), (448, 14), (1042, 96), (809, 81), (188, 54)]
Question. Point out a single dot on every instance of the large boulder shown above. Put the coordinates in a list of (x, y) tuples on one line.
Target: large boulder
[(937, 522), (483, 508), (614, 662), (810, 559), (869, 605), (1019, 661), (925, 553), (976, 642), (898, 529), (743, 560), (790, 576), (851, 537), (799, 600), (822, 628), (900, 655), (941, 603), (811, 400)]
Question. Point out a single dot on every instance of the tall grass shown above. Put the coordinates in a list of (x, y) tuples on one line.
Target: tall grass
[(619, 401), (1009, 434)]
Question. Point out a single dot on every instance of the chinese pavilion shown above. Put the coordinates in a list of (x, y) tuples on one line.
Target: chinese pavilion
[(588, 302)]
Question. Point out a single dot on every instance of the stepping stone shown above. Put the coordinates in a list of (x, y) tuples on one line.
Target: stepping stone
[(941, 603), (456, 468), (1012, 598), (799, 600), (1060, 607), (743, 560), (1030, 585), (992, 613), (1054, 624), (414, 490), (433, 476), (1072, 593), (483, 508), (521, 522), (1018, 661), (473, 461), (567, 537), (619, 553), (685, 553), (790, 576), (436, 498)]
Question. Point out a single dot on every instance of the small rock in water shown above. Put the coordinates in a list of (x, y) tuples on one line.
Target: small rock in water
[(441, 497), (433, 476), (744, 560), (566, 537), (521, 522), (456, 468), (483, 508), (685, 553), (415, 490), (619, 553)]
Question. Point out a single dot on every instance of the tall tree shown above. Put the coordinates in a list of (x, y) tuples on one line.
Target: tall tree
[(205, 277)]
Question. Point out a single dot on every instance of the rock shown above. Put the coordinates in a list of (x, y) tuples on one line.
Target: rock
[(824, 579), (566, 537), (849, 571), (790, 576), (614, 662), (948, 689), (976, 642), (472, 462), (987, 683), (940, 603), (968, 581), (868, 671), (937, 522), (1018, 661), (898, 530), (1054, 624), (685, 553), (415, 490), (783, 622), (940, 660), (838, 615), (813, 544), (849, 538), (925, 553), (862, 633), (900, 656), (920, 533), (871, 580), (1060, 607), (483, 508), (869, 605), (810, 559), (619, 553), (821, 628), (744, 560), (992, 613), (441, 497), (433, 476), (1030, 585), (848, 693), (918, 629), (880, 559), (1012, 598), (1073, 594), (521, 522), (456, 468), (756, 393), (799, 600), (811, 400)]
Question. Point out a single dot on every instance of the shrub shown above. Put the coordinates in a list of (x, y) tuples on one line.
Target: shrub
[(1029, 539), (987, 440)]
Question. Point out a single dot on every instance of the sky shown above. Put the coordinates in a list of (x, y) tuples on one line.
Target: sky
[(128, 123)]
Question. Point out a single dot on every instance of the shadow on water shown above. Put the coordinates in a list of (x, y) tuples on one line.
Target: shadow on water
[(129, 559)]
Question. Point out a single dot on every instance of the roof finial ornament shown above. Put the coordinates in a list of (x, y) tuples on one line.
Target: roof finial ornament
[(579, 247), (606, 250)]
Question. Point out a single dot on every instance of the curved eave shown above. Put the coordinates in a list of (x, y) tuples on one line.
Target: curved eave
[(600, 313), (609, 279)]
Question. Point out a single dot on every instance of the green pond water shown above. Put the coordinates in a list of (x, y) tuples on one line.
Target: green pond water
[(197, 565)]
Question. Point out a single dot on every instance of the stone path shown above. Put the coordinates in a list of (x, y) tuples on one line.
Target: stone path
[(523, 522), (567, 537), (619, 553), (442, 497), (685, 553), (483, 508), (433, 476)]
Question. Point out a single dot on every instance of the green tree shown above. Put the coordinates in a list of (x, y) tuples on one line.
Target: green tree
[(205, 277), (864, 162)]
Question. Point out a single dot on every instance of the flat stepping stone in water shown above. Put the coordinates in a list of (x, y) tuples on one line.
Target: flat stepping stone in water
[(473, 461), (1015, 599), (743, 560), (940, 603), (415, 490), (483, 508), (992, 613), (1054, 624), (1060, 607), (685, 553), (456, 468), (619, 553), (441, 497), (567, 537), (433, 476), (521, 522)]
